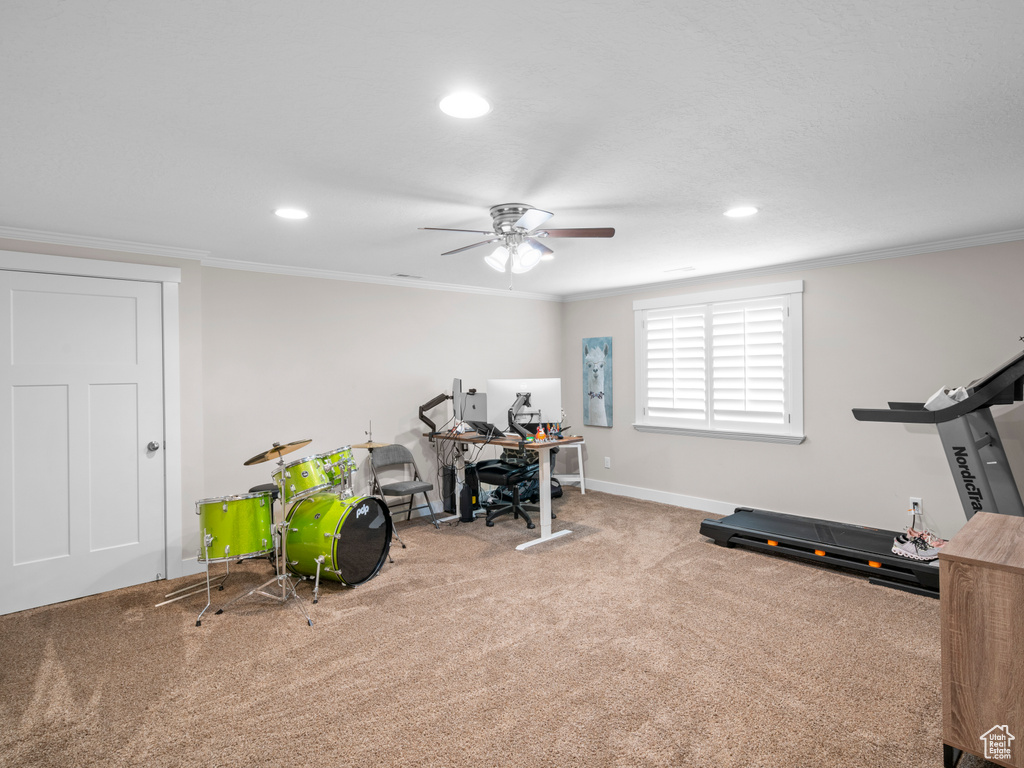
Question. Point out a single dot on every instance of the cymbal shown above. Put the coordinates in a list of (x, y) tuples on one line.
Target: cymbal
[(371, 445), (277, 451)]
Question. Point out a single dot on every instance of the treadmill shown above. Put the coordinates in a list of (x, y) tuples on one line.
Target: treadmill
[(976, 459)]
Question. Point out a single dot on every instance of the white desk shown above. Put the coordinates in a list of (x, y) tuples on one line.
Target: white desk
[(544, 478)]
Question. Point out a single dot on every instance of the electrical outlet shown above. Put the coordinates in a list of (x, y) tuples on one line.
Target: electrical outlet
[(916, 508), (607, 462)]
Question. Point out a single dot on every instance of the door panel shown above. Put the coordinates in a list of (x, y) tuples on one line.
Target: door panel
[(114, 477), (81, 396), (42, 522)]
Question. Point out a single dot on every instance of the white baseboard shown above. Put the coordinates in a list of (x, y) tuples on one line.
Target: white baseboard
[(710, 506)]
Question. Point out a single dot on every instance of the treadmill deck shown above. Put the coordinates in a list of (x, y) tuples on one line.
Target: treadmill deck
[(866, 550)]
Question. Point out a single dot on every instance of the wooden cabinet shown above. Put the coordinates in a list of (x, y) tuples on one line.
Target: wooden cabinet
[(981, 572)]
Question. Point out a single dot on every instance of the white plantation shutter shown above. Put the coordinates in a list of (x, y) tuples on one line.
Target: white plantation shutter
[(748, 362), (676, 365), (727, 362)]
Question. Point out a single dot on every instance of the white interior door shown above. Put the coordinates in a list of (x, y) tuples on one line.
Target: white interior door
[(81, 382)]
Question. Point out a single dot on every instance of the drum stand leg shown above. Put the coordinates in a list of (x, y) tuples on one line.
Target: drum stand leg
[(192, 589), (316, 584), (199, 618), (287, 584), (195, 589)]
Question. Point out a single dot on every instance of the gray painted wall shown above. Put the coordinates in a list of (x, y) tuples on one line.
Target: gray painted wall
[(876, 331), (268, 357)]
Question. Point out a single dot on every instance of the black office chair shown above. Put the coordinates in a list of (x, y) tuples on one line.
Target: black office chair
[(516, 473), (509, 477)]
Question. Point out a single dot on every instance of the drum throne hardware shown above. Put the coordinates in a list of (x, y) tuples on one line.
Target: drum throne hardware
[(281, 578)]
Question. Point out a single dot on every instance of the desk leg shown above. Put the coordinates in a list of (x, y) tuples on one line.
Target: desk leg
[(579, 462), (545, 503)]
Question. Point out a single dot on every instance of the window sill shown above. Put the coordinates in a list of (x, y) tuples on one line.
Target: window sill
[(755, 436)]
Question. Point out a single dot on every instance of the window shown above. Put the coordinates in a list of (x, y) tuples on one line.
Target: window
[(723, 363)]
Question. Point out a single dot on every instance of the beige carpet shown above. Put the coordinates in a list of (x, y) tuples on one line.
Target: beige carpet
[(632, 642)]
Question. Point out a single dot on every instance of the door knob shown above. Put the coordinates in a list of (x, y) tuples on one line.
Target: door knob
[(153, 446)]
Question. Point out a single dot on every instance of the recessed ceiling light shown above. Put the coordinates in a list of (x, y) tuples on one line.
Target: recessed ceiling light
[(739, 212), (465, 104), (291, 213)]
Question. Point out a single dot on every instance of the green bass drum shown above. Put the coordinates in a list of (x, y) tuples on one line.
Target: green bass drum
[(353, 536)]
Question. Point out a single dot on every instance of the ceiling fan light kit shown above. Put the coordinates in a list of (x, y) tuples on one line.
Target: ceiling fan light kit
[(517, 226), (497, 259)]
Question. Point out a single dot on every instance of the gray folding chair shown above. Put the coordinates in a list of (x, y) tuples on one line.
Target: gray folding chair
[(398, 457)]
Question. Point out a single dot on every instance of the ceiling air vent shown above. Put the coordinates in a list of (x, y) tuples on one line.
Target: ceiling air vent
[(407, 277)]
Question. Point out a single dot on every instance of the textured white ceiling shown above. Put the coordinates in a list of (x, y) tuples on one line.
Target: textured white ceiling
[(853, 126)]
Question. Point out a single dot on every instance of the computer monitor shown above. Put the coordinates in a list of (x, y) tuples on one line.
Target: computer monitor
[(545, 401), (457, 399)]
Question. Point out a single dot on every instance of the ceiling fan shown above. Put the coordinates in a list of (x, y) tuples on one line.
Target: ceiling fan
[(518, 229)]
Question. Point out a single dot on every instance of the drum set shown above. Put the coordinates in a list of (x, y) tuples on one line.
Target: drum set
[(326, 531)]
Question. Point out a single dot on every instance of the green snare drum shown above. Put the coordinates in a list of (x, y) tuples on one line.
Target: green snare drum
[(235, 527), (352, 536), (302, 478), (338, 463)]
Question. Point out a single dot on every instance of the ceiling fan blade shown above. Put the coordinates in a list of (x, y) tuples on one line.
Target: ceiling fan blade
[(533, 218), (591, 232), (544, 250), (474, 245), (474, 231)]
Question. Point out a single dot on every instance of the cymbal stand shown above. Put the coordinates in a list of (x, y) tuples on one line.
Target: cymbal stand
[(282, 579)]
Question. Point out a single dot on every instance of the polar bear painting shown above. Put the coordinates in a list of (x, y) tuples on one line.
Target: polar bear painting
[(597, 381)]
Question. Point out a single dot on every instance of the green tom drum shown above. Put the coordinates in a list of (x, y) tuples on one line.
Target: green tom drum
[(353, 536), (338, 463), (235, 527), (302, 478)]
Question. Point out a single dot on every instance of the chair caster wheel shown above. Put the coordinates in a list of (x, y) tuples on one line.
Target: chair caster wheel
[(220, 588), (490, 523), (554, 516), (531, 525), (315, 602), (199, 623), (220, 611)]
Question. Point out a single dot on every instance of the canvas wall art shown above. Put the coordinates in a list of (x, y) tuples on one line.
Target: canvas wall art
[(597, 381)]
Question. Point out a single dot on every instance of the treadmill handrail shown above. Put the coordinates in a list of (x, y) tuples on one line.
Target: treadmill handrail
[(978, 399)]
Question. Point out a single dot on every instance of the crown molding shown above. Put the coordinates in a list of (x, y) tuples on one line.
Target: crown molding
[(127, 246), (354, 277), (815, 263), (101, 243)]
